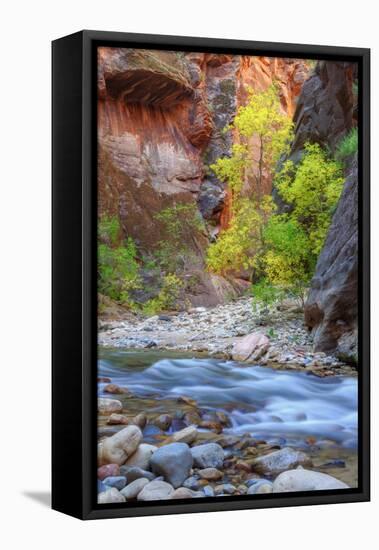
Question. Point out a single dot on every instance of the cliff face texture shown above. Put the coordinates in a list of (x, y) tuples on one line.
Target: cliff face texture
[(161, 117), (325, 113), (331, 310)]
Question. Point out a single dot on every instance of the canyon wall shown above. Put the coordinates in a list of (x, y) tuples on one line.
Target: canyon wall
[(162, 121), (326, 111)]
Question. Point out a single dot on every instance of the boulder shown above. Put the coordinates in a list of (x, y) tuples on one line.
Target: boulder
[(113, 388), (118, 482), (186, 435), (139, 420), (279, 461), (108, 406), (163, 422), (109, 497), (192, 483), (260, 486), (133, 472), (251, 347), (156, 490), (108, 470), (183, 492), (173, 461), (211, 474), (141, 457), (210, 455), (132, 490), (115, 419), (306, 480), (225, 489), (120, 446)]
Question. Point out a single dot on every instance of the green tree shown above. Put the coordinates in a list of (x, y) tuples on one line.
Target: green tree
[(272, 130), (292, 242), (266, 131), (312, 188)]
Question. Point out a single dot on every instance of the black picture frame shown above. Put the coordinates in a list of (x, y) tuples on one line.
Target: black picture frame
[(74, 332)]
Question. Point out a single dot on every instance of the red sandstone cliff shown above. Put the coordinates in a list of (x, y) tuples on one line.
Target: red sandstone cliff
[(160, 121)]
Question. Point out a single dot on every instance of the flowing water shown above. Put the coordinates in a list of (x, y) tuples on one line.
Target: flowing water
[(276, 405)]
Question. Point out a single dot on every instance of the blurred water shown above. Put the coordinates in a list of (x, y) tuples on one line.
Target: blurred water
[(263, 402)]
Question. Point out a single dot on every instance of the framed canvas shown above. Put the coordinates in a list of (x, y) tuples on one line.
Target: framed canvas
[(210, 275)]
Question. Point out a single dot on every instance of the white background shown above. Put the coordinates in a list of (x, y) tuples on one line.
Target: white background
[(26, 31)]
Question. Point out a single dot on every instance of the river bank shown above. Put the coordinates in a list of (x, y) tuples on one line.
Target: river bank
[(241, 429), (216, 332)]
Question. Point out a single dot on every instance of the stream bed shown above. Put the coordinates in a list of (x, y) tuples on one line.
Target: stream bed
[(283, 408)]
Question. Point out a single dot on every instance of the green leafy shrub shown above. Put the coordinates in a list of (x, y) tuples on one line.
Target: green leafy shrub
[(167, 297), (265, 293), (118, 268), (348, 145)]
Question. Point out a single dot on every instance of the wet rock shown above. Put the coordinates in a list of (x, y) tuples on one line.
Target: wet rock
[(103, 380), (139, 420), (183, 492), (111, 496), (211, 474), (173, 461), (279, 461), (120, 446), (192, 418), (108, 470), (141, 457), (118, 482), (209, 425), (260, 486), (108, 406), (132, 490), (113, 388), (101, 487), (186, 435), (192, 483), (163, 422), (115, 419), (132, 473), (156, 490), (210, 455), (208, 491), (250, 348), (306, 480), (225, 489)]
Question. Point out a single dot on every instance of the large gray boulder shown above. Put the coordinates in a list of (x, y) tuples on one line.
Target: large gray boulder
[(210, 455), (306, 480), (173, 462), (279, 461), (156, 490)]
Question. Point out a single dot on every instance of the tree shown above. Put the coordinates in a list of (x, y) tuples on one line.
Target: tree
[(313, 188), (293, 241), (263, 120), (238, 246), (272, 130)]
